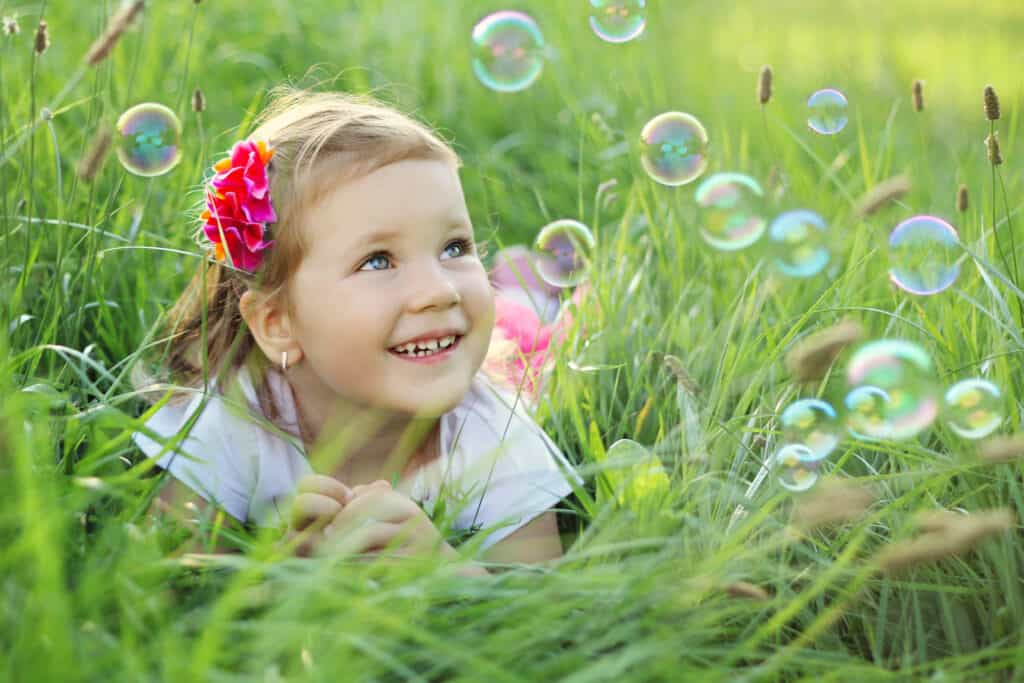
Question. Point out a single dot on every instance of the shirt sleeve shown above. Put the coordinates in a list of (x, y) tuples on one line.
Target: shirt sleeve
[(524, 476), (220, 470)]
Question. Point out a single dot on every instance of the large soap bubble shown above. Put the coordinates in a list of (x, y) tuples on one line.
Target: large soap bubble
[(904, 371), (813, 423), (923, 253), (565, 249), (974, 408), (827, 111), (508, 51), (730, 211), (799, 242), (674, 149), (797, 466), (149, 139), (618, 21)]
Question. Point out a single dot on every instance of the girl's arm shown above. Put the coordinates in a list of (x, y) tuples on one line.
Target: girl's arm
[(535, 542)]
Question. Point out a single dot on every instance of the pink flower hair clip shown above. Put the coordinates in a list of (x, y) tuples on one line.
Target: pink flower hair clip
[(238, 206)]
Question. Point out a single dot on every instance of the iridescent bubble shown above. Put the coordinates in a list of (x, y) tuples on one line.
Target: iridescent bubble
[(813, 423), (675, 148), (149, 139), (565, 249), (923, 253), (828, 111), (865, 413), (904, 371), (798, 242), (729, 206), (974, 408), (797, 467), (508, 51), (618, 21)]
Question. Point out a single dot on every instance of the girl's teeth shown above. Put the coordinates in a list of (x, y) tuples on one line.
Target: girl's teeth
[(426, 348)]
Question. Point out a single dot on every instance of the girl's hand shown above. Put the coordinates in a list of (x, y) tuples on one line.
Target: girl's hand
[(319, 500), (380, 518)]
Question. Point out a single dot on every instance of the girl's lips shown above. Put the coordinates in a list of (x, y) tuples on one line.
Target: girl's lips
[(436, 357)]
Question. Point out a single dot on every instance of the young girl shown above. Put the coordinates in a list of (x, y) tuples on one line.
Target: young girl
[(345, 322)]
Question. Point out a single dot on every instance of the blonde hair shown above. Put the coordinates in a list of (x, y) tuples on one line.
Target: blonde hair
[(319, 139)]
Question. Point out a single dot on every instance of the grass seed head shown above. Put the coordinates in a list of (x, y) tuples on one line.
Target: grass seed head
[(995, 155), (831, 502), (991, 103), (675, 366), (883, 193), (93, 160), (198, 101), (745, 589), (811, 358), (10, 24), (953, 538), (102, 46), (764, 85), (917, 90), (42, 37), (962, 199), (1002, 449)]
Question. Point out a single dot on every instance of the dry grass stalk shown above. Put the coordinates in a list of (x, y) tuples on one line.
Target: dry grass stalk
[(962, 199), (931, 521), (995, 155), (991, 103), (831, 502), (745, 589), (93, 160), (42, 37), (917, 90), (198, 101), (675, 366), (11, 27), (883, 193), (764, 85), (811, 358), (1002, 449), (957, 537), (102, 46)]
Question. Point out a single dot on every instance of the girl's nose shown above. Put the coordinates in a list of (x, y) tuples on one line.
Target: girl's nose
[(432, 287)]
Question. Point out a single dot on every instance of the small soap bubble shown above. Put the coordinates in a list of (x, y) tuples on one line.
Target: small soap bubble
[(923, 253), (828, 111), (508, 51), (974, 408), (904, 371), (618, 21), (813, 423), (565, 249), (865, 413), (730, 209), (799, 243), (674, 148), (797, 467), (149, 139)]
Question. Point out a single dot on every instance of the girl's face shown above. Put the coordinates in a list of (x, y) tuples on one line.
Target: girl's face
[(390, 260)]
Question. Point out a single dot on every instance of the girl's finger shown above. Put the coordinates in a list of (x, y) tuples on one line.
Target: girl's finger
[(374, 536), (382, 505), (326, 486), (310, 507), (363, 488)]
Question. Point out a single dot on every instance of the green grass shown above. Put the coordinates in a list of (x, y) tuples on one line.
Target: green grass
[(91, 589)]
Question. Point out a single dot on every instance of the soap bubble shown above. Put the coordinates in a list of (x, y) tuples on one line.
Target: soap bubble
[(865, 413), (618, 21), (974, 408), (149, 139), (798, 241), (797, 466), (923, 253), (903, 370), (729, 206), (813, 423), (508, 51), (565, 249), (828, 113), (674, 148)]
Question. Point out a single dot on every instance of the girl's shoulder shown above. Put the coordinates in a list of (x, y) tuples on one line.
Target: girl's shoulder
[(220, 445)]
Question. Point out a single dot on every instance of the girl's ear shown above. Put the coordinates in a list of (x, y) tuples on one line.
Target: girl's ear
[(271, 326)]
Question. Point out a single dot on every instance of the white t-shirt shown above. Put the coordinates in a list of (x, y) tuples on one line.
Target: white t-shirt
[(241, 462)]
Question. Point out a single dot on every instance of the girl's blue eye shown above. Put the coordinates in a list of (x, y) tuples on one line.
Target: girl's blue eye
[(461, 247), (376, 258)]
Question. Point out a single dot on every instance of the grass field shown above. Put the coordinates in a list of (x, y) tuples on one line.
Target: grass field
[(666, 584)]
